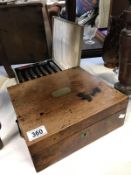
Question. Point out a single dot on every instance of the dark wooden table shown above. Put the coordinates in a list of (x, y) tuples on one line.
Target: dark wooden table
[(94, 50)]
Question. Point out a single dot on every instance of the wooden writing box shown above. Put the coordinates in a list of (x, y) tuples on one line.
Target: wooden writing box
[(60, 113)]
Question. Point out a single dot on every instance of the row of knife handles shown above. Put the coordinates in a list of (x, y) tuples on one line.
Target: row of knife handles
[(36, 70)]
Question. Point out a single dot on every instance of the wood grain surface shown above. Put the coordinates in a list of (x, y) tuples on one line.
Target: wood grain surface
[(67, 43), (65, 117), (23, 32)]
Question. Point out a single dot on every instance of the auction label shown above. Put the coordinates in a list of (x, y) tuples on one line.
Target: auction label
[(36, 133)]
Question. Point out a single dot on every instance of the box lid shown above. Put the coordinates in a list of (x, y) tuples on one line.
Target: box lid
[(23, 32), (67, 43), (56, 104)]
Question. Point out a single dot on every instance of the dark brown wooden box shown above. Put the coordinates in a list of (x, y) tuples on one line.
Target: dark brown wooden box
[(23, 32), (60, 113), (25, 35)]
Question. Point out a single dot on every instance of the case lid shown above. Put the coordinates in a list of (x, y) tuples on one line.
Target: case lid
[(67, 42), (23, 33)]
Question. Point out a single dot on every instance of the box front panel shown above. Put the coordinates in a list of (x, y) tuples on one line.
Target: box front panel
[(78, 140)]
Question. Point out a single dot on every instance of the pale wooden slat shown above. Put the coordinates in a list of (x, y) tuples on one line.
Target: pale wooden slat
[(67, 41)]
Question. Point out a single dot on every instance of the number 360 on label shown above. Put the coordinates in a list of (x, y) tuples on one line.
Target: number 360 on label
[(36, 133)]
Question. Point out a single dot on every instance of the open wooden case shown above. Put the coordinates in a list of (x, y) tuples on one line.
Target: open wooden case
[(25, 35), (65, 47), (62, 112)]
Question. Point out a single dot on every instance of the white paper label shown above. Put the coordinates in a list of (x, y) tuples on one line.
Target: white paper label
[(36, 133), (122, 116)]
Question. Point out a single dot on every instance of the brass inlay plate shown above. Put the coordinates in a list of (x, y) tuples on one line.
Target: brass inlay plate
[(61, 92)]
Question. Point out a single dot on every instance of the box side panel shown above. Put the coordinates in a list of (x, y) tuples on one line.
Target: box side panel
[(78, 140), (25, 37), (69, 129)]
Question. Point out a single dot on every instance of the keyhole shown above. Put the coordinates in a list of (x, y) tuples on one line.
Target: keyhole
[(83, 135)]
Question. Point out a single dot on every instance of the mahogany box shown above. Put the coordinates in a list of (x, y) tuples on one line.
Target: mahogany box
[(62, 112)]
